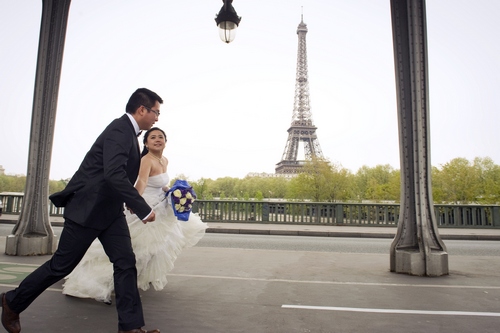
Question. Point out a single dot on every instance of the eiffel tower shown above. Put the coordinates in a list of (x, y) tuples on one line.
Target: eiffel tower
[(302, 128)]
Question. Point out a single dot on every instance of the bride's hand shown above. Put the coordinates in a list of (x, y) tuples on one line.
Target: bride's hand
[(165, 188)]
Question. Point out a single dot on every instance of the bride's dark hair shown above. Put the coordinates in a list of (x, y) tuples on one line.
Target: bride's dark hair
[(145, 150)]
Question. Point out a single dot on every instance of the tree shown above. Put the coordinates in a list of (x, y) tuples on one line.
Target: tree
[(438, 194), (458, 181), (202, 188), (488, 180), (225, 187), (12, 183), (321, 180), (379, 183), (340, 184), (57, 185)]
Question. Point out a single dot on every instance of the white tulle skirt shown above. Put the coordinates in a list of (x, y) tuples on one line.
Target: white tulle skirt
[(156, 246)]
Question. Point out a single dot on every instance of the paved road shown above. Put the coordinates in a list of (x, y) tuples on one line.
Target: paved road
[(240, 288), (338, 245), (324, 244)]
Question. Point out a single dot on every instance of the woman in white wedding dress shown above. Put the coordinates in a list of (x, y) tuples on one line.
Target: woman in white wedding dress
[(156, 245)]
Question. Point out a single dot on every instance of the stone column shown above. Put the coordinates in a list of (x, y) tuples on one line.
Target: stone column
[(33, 234), (417, 248)]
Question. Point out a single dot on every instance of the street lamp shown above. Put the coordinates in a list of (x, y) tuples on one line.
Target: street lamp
[(227, 20)]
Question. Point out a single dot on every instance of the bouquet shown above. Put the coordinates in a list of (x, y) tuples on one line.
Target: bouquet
[(182, 197)]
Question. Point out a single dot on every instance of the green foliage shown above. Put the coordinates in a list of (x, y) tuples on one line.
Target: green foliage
[(458, 181), (321, 181), (379, 183), (461, 181), (259, 196), (202, 188), (12, 183), (57, 185), (488, 178), (18, 184)]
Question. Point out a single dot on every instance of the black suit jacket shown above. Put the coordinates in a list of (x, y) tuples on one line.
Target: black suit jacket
[(105, 180)]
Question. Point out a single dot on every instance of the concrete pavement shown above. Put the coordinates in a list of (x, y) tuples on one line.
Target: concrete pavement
[(275, 291)]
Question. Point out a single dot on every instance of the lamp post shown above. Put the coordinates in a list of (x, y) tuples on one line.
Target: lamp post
[(227, 20)]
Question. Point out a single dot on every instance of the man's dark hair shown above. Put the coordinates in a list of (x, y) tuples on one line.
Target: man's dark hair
[(142, 96)]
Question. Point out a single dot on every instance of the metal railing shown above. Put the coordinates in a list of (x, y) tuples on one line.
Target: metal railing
[(319, 213), (354, 214)]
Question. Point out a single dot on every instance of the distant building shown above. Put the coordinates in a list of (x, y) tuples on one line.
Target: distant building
[(271, 175)]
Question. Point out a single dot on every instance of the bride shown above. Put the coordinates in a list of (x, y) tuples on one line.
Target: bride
[(156, 245)]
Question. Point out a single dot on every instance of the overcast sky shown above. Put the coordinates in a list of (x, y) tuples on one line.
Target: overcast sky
[(227, 107)]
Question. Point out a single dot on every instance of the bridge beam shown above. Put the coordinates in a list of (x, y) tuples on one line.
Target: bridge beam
[(32, 234), (417, 248)]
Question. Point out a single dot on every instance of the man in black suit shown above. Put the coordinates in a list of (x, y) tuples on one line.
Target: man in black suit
[(93, 202)]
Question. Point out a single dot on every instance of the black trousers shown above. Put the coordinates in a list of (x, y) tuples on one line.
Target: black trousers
[(73, 243)]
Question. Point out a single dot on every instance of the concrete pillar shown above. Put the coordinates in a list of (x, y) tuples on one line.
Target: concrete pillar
[(417, 248), (32, 234)]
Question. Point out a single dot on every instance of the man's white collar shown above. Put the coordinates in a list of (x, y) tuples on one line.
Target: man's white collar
[(134, 123)]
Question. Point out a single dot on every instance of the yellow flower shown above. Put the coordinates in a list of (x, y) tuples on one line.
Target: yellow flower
[(177, 193), (179, 208), (189, 196), (182, 201)]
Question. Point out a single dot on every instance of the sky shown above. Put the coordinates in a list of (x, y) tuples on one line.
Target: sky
[(227, 107)]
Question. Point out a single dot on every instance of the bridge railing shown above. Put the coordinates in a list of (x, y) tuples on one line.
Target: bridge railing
[(354, 214), (291, 212)]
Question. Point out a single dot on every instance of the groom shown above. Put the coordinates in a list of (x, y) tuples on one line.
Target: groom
[(93, 202)]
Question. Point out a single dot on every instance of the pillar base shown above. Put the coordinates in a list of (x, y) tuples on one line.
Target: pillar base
[(30, 245), (414, 262)]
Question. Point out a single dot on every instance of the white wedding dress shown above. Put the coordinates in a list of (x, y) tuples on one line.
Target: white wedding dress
[(156, 246)]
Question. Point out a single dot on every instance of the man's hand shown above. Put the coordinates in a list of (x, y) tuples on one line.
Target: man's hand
[(150, 218)]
